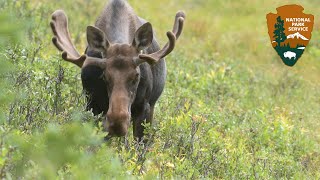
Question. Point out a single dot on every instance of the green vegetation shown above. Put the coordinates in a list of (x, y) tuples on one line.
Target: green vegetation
[(230, 110)]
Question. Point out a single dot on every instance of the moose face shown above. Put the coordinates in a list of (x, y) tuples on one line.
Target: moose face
[(122, 77), (121, 74)]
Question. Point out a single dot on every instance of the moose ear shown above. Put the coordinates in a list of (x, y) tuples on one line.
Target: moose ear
[(143, 37), (96, 39)]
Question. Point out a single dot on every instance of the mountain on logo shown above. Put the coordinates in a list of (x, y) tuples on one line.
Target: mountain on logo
[(298, 35)]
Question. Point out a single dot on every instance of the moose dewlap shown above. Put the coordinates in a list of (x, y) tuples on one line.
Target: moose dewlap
[(123, 69)]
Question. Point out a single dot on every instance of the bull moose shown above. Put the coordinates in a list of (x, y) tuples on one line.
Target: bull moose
[(123, 70)]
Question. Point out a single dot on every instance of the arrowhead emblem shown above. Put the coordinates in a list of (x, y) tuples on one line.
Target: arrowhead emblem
[(290, 32)]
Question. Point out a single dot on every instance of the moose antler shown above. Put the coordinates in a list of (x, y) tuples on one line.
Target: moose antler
[(62, 40), (172, 36)]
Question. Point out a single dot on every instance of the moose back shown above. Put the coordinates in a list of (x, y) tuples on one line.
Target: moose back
[(123, 69)]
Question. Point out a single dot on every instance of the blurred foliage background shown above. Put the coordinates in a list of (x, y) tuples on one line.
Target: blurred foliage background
[(230, 110)]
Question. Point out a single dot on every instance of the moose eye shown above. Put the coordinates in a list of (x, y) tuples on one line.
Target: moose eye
[(106, 78), (135, 78)]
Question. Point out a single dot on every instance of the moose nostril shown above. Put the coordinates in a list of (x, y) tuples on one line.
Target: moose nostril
[(117, 123), (110, 124), (117, 129)]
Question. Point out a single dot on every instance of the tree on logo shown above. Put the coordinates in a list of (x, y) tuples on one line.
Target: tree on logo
[(279, 34)]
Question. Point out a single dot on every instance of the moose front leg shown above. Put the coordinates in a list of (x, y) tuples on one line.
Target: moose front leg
[(140, 115)]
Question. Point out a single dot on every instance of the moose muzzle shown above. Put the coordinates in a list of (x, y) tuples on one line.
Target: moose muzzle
[(118, 115)]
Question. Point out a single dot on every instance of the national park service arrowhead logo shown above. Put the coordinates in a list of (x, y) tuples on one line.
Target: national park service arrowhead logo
[(290, 32)]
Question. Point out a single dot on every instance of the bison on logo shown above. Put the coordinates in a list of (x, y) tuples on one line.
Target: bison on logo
[(290, 32)]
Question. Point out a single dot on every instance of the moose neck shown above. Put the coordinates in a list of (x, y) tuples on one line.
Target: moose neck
[(118, 21)]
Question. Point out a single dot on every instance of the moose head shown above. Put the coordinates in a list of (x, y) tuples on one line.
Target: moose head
[(123, 78)]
